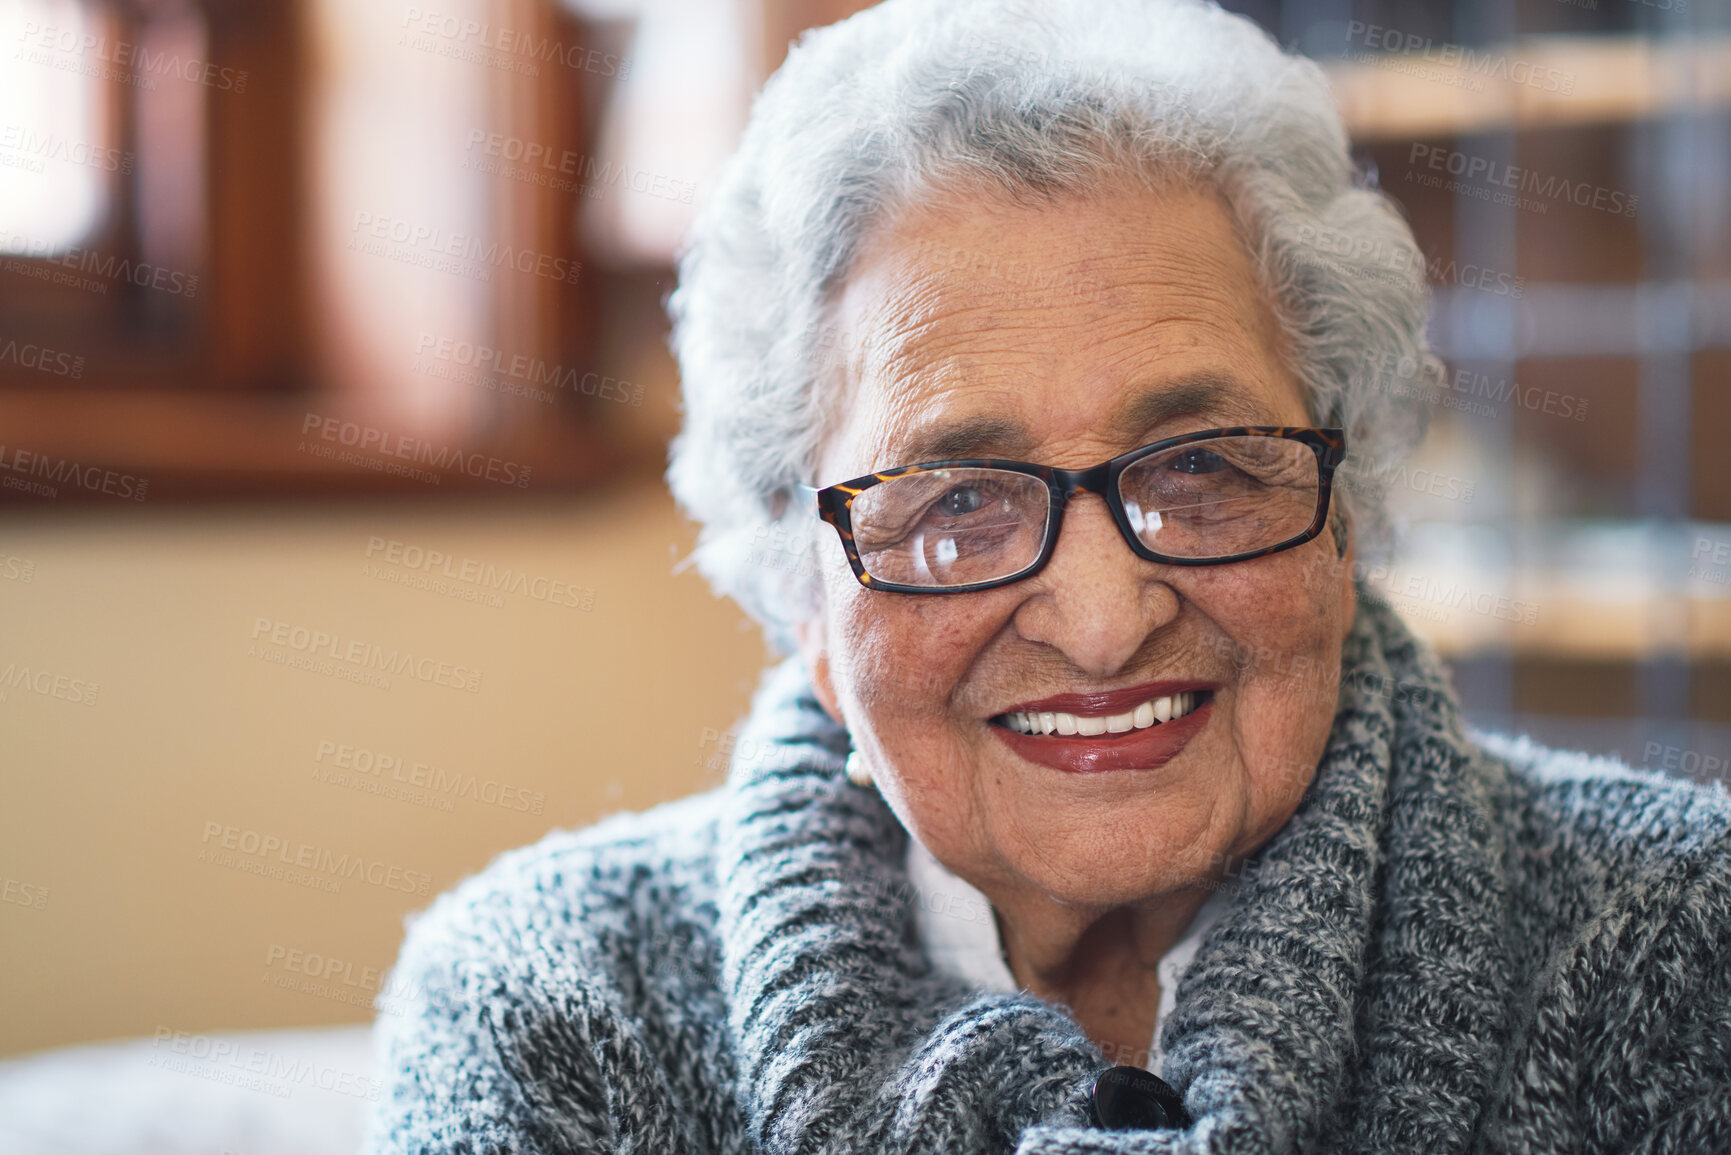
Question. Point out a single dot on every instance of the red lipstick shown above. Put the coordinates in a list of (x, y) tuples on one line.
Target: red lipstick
[(1143, 749)]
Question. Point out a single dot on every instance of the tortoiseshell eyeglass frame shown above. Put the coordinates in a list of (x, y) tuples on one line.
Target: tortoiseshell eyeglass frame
[(834, 503)]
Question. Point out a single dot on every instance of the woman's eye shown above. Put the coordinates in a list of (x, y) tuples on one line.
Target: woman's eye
[(961, 501), (1198, 461)]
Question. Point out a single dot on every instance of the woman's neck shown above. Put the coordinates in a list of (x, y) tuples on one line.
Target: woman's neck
[(1099, 963)]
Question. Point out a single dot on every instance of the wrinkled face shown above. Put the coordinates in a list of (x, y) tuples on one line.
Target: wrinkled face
[(1066, 334)]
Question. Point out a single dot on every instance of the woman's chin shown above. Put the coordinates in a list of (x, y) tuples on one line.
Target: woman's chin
[(1095, 851)]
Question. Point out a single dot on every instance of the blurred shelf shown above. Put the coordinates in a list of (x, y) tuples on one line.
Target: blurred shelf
[(1448, 90), (1569, 320), (1592, 592), (108, 447)]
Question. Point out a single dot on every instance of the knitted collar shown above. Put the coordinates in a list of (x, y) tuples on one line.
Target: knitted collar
[(1353, 995)]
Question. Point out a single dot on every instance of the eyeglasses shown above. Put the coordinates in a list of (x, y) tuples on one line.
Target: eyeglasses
[(1208, 498)]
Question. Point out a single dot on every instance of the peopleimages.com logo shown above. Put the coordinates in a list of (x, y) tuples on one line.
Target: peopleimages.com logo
[(69, 266), (405, 558), (566, 170), (1468, 63), (1486, 177), (1396, 265), (260, 852), (47, 683), (518, 368), (43, 475), (41, 359), (462, 38), (130, 60), (343, 764), (253, 1068), (39, 147), (363, 655), (367, 439), (439, 249)]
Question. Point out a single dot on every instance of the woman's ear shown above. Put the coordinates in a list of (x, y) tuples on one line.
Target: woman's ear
[(812, 636)]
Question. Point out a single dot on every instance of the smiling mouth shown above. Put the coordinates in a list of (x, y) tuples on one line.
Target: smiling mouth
[(1149, 714)]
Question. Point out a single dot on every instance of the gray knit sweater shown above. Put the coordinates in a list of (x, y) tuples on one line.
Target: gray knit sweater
[(1454, 945)]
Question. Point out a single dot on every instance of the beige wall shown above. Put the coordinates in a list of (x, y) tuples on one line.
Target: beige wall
[(108, 804)]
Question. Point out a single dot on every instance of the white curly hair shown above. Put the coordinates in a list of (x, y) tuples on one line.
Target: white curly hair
[(872, 115)]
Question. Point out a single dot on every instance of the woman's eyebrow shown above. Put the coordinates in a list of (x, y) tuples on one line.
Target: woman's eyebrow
[(971, 437), (1215, 394)]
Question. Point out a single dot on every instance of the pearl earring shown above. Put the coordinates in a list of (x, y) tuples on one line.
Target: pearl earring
[(857, 772)]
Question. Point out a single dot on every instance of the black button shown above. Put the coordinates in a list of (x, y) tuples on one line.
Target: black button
[(1131, 1099)]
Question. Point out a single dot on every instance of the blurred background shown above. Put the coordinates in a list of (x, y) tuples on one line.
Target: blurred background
[(334, 397)]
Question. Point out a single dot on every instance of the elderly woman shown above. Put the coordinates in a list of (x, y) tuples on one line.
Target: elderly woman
[(1096, 808)]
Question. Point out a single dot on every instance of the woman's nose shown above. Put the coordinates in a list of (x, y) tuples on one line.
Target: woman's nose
[(1096, 602)]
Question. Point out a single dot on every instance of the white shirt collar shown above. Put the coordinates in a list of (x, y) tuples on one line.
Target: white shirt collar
[(960, 935)]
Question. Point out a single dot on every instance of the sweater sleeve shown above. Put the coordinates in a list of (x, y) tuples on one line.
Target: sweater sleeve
[(447, 1087), (1623, 1043), (1661, 1074), (512, 1040)]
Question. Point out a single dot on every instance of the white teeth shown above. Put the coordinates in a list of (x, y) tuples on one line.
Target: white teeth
[(1150, 713)]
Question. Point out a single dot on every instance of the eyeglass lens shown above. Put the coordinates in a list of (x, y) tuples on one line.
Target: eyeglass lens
[(1208, 499)]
